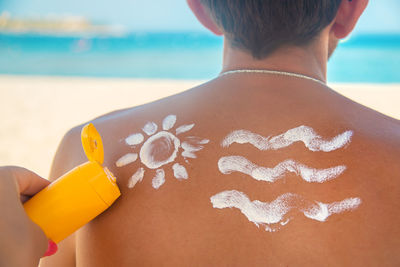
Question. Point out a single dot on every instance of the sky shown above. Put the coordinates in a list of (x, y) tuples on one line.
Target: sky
[(381, 16)]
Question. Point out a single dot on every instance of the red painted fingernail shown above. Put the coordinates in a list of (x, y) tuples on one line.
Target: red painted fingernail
[(51, 249)]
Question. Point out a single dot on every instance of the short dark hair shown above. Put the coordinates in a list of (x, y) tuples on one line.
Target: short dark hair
[(262, 26)]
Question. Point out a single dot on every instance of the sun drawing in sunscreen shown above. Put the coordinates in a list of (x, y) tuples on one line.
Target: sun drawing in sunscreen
[(161, 148)]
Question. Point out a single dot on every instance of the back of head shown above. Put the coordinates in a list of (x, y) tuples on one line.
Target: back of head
[(262, 26)]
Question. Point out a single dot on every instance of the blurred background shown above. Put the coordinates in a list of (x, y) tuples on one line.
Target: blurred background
[(162, 39), (65, 62)]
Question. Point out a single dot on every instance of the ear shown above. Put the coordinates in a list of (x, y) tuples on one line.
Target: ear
[(347, 16), (203, 16)]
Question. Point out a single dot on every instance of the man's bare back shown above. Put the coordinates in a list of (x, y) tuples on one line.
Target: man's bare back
[(177, 224), (269, 170)]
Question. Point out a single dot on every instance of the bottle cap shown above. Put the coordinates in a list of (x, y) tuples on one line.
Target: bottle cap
[(92, 144), (101, 179)]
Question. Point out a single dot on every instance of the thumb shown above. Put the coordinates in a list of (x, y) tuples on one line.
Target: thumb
[(28, 183)]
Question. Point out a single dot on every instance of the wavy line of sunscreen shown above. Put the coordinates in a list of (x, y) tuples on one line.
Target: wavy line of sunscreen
[(231, 164), (304, 134), (269, 214)]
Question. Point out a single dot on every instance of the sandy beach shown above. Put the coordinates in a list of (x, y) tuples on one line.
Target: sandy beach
[(35, 112)]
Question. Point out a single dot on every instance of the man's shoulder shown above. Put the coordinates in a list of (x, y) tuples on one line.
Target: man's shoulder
[(374, 128), (113, 126), (383, 131)]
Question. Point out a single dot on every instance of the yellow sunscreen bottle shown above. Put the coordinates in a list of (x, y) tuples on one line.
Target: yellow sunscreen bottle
[(78, 196)]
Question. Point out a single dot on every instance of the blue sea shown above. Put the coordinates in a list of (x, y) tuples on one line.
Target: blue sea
[(362, 58)]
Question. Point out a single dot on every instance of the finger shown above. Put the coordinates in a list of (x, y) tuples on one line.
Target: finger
[(28, 182)]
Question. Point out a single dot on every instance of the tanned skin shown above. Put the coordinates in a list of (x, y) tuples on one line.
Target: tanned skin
[(176, 225)]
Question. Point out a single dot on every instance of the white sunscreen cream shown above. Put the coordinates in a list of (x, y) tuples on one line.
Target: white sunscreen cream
[(126, 159), (273, 215), (190, 150), (180, 171), (136, 177), (134, 139), (161, 148), (231, 164), (168, 122), (302, 133), (159, 178), (184, 128), (150, 128)]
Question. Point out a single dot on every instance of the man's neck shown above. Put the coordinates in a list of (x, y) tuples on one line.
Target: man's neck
[(310, 61)]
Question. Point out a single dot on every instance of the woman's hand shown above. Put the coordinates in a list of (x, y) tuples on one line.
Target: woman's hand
[(22, 242)]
